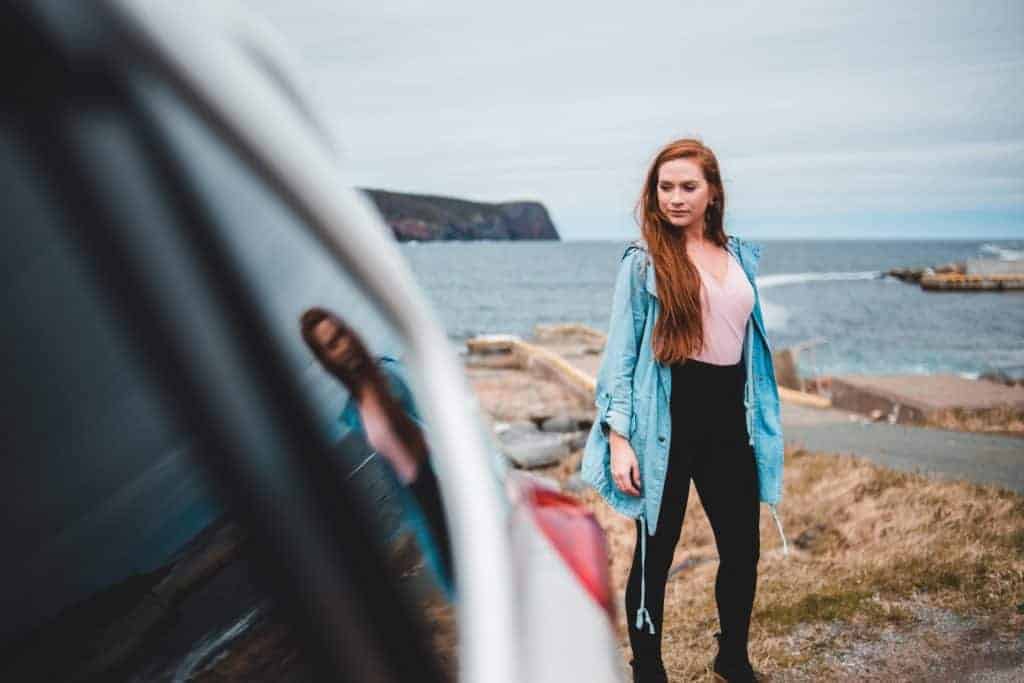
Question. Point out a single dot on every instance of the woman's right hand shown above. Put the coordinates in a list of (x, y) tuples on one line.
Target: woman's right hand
[(625, 466)]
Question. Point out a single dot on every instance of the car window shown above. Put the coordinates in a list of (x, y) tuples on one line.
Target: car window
[(127, 567), (101, 491), (289, 273)]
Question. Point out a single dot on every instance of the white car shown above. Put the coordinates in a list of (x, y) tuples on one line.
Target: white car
[(171, 205)]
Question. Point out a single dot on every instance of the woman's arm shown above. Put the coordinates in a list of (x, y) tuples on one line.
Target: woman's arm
[(615, 377)]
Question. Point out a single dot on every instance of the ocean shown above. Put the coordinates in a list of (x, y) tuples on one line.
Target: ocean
[(832, 291)]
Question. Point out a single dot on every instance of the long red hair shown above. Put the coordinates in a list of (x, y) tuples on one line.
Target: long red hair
[(679, 330)]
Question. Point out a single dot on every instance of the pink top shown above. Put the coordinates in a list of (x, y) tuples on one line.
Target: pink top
[(727, 306)]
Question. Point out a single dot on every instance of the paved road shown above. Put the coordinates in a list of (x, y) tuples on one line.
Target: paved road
[(979, 458)]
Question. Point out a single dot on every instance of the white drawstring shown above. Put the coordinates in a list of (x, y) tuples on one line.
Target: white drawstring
[(642, 614), (778, 525)]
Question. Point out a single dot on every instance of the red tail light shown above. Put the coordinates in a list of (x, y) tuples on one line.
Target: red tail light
[(577, 537)]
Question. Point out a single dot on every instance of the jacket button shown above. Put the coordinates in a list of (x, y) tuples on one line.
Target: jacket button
[(661, 439)]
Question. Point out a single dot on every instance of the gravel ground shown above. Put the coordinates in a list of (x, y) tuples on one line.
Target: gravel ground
[(939, 645)]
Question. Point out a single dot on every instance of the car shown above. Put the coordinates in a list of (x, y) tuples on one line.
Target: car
[(172, 203)]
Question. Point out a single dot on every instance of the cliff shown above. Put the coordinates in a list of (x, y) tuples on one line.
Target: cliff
[(425, 217)]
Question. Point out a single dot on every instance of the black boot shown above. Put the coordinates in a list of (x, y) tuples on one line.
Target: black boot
[(731, 663), (648, 672)]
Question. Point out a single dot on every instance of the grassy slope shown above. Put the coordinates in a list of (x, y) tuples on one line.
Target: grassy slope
[(878, 556)]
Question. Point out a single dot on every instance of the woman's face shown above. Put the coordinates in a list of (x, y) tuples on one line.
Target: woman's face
[(338, 347), (683, 192)]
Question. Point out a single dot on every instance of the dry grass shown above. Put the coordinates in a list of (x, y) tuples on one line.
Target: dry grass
[(1001, 419), (880, 562), (867, 544)]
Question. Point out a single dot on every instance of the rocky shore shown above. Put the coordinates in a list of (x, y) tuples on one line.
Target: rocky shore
[(972, 275)]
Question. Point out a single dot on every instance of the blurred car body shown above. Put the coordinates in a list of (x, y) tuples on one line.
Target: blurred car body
[(166, 185)]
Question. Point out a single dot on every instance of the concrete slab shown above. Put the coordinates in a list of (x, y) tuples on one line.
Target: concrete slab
[(918, 398), (938, 392)]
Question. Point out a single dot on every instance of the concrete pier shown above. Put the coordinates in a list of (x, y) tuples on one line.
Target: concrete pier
[(918, 399)]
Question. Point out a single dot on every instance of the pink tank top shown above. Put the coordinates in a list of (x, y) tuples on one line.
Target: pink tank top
[(727, 306)]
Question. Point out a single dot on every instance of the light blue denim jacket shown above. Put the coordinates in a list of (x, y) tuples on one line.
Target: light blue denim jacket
[(634, 389), (413, 519)]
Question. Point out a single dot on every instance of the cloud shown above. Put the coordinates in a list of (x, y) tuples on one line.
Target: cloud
[(910, 106)]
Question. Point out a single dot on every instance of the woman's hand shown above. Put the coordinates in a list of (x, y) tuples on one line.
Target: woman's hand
[(625, 466)]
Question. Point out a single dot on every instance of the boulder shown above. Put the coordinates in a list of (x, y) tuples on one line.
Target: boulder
[(528, 448), (579, 440), (561, 423)]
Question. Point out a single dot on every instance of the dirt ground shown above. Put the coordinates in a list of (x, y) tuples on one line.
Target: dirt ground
[(890, 576)]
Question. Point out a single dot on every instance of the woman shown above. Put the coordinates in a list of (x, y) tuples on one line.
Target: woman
[(686, 390), (382, 410)]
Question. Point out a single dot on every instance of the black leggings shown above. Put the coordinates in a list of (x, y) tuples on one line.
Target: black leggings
[(710, 445)]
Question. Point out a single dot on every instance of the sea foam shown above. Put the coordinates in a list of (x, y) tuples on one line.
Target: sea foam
[(777, 280), (1002, 253)]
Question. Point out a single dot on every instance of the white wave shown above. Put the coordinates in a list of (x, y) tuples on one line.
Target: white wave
[(767, 281), (1002, 253)]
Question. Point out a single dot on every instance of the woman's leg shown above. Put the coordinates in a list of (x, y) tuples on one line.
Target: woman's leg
[(726, 481), (660, 548)]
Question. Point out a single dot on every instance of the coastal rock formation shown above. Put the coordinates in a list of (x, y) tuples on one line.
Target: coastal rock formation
[(915, 274), (425, 218)]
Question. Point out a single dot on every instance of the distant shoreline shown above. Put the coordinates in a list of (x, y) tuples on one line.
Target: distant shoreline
[(430, 218)]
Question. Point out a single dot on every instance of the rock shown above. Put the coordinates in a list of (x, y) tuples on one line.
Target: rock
[(950, 268), (579, 440), (492, 343), (906, 274), (575, 483), (1002, 377), (819, 538), (513, 431), (527, 447), (560, 423), (541, 453), (808, 537)]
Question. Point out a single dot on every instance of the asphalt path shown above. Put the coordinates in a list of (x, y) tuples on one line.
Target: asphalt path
[(979, 458)]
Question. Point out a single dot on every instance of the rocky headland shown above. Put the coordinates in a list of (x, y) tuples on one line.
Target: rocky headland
[(429, 218)]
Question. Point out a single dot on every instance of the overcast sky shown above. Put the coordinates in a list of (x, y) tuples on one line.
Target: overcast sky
[(886, 119)]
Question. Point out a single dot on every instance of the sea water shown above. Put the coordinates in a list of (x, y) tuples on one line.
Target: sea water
[(833, 291)]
